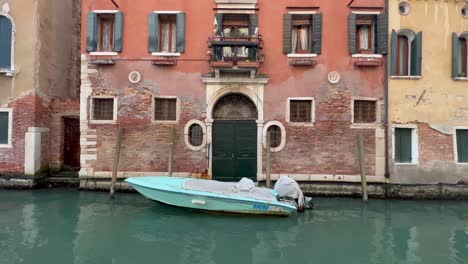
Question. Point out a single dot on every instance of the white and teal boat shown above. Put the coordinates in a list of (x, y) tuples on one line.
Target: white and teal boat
[(209, 195)]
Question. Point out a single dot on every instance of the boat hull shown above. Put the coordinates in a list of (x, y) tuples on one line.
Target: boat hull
[(210, 201)]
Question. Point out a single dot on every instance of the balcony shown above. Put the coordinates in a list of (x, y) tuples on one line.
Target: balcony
[(235, 53)]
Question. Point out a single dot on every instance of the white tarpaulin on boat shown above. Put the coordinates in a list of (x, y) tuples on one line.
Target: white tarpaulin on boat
[(241, 189), (287, 187)]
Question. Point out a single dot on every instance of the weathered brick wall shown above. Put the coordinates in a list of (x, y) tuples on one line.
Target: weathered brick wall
[(434, 146)]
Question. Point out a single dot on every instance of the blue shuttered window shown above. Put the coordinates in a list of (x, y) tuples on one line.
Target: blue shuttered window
[(6, 28), (462, 145), (403, 145), (4, 127)]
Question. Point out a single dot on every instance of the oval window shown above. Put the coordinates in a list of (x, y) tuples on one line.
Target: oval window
[(464, 11), (275, 136), (195, 135)]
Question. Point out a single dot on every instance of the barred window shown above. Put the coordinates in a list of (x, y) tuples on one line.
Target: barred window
[(275, 136), (364, 111), (195, 135), (300, 111), (165, 109), (103, 109)]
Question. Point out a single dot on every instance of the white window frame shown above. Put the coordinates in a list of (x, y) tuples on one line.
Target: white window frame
[(91, 111), (414, 144), (10, 127), (377, 113), (283, 135), (302, 55), (104, 53), (312, 109), (187, 135), (153, 104), (11, 71), (455, 146)]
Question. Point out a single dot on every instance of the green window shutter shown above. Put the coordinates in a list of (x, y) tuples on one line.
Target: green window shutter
[(416, 55), (5, 42), (91, 32), (316, 36), (153, 33), (253, 23), (462, 145), (4, 116), (219, 24), (382, 34), (180, 37), (352, 33), (403, 145), (287, 24), (455, 58), (393, 53), (118, 31)]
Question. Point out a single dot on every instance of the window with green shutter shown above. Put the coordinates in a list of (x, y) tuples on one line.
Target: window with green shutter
[(104, 32), (406, 53), (403, 145), (462, 145), (459, 55), (367, 33), (6, 28), (302, 33), (166, 33), (4, 127)]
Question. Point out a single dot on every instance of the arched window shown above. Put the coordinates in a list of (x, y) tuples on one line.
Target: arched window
[(459, 55), (6, 43), (275, 136), (195, 135), (406, 54)]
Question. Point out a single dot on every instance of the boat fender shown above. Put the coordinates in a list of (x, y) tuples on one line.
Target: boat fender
[(301, 203)]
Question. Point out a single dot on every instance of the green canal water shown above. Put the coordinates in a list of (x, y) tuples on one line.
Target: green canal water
[(67, 226)]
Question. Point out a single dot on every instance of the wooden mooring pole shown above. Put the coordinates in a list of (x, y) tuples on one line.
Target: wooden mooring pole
[(171, 152), (362, 167), (268, 157), (116, 162)]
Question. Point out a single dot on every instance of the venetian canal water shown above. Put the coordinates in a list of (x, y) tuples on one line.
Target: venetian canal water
[(67, 226)]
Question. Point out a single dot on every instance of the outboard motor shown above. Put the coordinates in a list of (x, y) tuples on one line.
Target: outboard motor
[(288, 190)]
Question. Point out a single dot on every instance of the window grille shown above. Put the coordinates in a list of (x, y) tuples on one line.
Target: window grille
[(195, 135), (275, 136), (364, 111), (165, 109), (300, 111), (103, 108)]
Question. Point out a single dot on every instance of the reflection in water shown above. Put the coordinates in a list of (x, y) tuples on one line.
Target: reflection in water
[(60, 226)]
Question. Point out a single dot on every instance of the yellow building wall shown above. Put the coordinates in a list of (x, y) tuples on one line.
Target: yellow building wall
[(24, 14), (442, 101)]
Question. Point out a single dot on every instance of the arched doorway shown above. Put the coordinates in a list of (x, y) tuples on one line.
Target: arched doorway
[(234, 140)]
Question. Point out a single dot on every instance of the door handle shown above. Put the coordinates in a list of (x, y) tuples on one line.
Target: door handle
[(233, 156)]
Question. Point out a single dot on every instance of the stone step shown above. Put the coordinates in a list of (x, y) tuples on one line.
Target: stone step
[(62, 181)]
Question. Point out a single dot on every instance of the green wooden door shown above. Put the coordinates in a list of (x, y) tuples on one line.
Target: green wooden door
[(462, 145), (234, 150)]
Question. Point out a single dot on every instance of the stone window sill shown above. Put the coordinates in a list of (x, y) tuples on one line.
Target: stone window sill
[(461, 79), (362, 55), (166, 54), (301, 124), (407, 164), (6, 146), (406, 77), (165, 121), (102, 122), (103, 53), (8, 73), (364, 126), (297, 55)]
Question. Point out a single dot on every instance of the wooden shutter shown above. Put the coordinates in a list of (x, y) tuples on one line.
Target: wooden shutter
[(5, 42), (180, 37), (416, 55), (455, 58), (287, 24), (91, 32), (462, 145), (118, 31), (316, 36), (382, 34), (253, 23), (219, 21), (153, 33), (4, 122), (352, 33), (403, 145), (393, 53)]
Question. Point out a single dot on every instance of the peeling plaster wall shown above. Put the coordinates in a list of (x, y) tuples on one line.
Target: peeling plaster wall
[(25, 18), (435, 103)]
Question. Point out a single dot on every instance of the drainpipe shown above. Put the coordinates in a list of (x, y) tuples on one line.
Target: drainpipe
[(387, 172)]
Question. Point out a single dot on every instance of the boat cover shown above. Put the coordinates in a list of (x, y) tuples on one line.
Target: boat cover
[(229, 188)]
